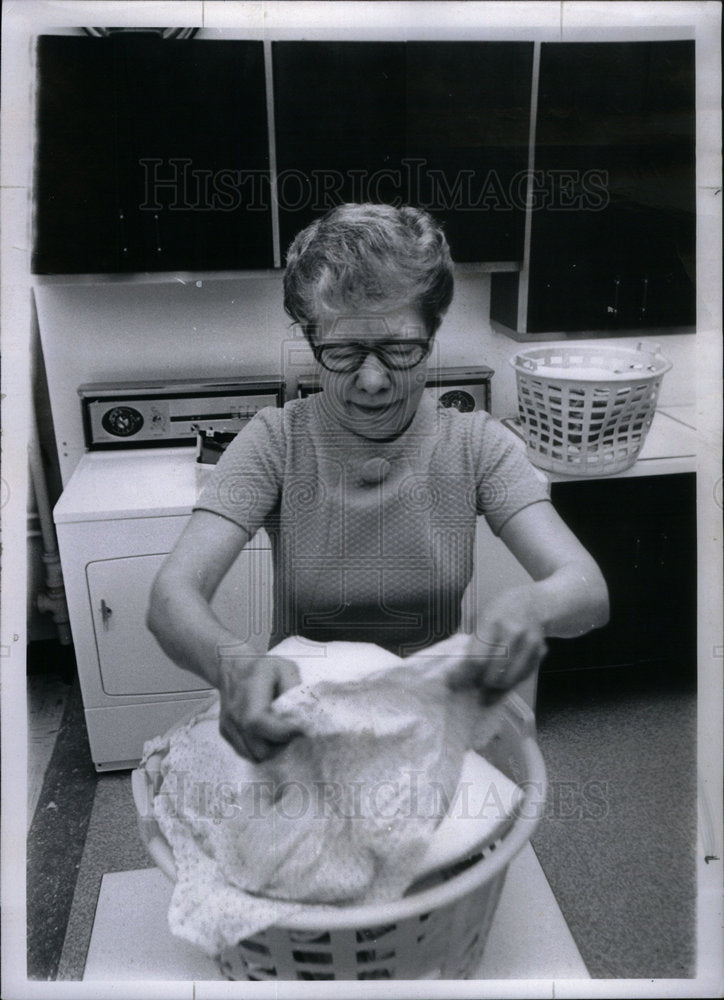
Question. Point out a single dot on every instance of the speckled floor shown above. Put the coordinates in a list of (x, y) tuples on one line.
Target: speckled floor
[(57, 839), (619, 841), (112, 845), (617, 844)]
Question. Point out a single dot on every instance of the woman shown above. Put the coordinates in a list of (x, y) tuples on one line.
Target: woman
[(370, 494)]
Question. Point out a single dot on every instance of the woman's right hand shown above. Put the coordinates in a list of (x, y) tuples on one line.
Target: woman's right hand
[(247, 687)]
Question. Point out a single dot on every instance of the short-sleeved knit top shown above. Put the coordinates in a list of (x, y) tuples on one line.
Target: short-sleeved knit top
[(372, 541)]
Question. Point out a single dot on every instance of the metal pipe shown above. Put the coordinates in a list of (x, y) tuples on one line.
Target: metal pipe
[(50, 600)]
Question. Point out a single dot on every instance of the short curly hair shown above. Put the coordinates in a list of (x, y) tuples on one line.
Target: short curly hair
[(368, 257)]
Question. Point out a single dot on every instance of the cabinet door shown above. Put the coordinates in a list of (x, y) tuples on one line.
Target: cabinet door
[(152, 155), (339, 114), (197, 132), (78, 185), (674, 572), (613, 225), (642, 533), (440, 125), (616, 538), (467, 130), (131, 661), (620, 115)]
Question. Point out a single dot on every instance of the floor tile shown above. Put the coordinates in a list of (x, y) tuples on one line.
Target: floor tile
[(46, 701), (56, 840)]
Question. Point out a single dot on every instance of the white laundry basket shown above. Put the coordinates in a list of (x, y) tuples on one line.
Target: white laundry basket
[(585, 410), (437, 931)]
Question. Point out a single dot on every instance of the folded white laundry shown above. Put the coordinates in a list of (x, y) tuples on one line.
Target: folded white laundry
[(345, 814)]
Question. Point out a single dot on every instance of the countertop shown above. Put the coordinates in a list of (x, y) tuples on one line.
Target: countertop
[(164, 482), (670, 447)]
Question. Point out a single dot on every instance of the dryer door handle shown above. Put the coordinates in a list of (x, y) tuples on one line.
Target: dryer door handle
[(106, 613)]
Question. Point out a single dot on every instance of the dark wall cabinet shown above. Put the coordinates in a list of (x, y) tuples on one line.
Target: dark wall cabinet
[(339, 116), (441, 125), (642, 532), (152, 155), (613, 215)]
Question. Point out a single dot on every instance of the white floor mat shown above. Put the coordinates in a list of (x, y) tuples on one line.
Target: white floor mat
[(529, 938)]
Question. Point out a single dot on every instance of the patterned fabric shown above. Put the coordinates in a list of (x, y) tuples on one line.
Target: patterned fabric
[(344, 814), (372, 541)]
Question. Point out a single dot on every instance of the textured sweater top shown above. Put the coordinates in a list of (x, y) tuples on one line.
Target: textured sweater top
[(372, 541)]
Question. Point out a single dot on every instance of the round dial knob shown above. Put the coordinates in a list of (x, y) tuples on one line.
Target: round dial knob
[(458, 399), (122, 421)]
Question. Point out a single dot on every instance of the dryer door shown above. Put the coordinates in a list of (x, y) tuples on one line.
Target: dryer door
[(131, 661)]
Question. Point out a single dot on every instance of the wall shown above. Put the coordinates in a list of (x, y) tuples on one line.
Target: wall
[(191, 326), (108, 330)]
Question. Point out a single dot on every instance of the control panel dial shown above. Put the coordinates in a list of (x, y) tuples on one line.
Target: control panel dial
[(457, 399), (122, 421)]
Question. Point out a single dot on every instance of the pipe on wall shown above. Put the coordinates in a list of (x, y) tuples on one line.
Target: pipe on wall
[(50, 600)]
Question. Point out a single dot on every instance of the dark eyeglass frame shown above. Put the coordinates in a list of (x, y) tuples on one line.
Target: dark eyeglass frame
[(365, 347)]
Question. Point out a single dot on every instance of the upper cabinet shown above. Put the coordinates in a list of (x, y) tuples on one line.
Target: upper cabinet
[(152, 155), (612, 211), (339, 123), (440, 125)]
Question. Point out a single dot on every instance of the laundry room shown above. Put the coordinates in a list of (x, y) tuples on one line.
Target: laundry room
[(495, 432)]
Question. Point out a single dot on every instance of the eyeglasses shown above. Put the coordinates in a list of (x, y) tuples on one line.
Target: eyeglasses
[(348, 356)]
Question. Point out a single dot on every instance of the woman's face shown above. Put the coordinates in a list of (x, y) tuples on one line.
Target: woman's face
[(376, 399)]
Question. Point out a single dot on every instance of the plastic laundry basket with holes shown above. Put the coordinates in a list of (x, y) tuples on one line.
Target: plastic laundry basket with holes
[(437, 931), (586, 410)]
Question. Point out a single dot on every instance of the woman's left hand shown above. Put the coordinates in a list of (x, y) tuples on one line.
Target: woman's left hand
[(508, 644)]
